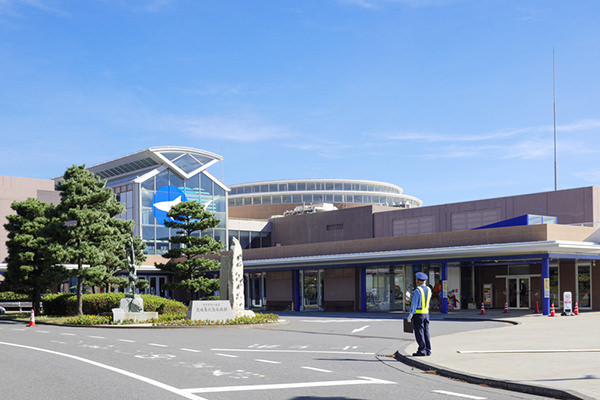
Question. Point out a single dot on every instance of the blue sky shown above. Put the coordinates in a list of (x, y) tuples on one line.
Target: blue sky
[(449, 99)]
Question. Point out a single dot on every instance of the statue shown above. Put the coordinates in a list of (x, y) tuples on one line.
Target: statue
[(132, 302)]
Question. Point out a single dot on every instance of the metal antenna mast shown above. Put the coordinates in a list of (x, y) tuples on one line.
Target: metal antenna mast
[(554, 96)]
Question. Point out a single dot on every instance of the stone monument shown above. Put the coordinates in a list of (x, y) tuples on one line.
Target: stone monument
[(132, 306), (232, 280)]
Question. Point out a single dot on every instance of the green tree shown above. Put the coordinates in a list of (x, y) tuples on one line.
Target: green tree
[(189, 248), (31, 261), (85, 229)]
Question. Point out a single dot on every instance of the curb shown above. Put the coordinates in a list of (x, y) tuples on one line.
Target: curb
[(480, 380)]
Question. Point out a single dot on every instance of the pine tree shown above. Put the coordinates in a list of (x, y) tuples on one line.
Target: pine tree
[(85, 230), (31, 262), (187, 256)]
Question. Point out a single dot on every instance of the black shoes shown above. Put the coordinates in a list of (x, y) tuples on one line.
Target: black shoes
[(421, 354)]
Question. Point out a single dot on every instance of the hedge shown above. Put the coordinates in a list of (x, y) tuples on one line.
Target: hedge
[(66, 304), (12, 296)]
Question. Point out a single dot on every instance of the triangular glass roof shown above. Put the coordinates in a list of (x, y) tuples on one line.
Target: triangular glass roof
[(186, 160)]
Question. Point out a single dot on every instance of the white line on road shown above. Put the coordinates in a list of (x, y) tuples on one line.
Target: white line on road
[(157, 345), (42, 331), (18, 329), (528, 351), (180, 392), (317, 369), (298, 351), (363, 380), (96, 337), (329, 321), (267, 361), (466, 396), (126, 340), (68, 334), (226, 355), (190, 350), (360, 329)]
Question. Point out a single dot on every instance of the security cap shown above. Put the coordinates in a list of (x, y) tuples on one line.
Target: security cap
[(421, 276)]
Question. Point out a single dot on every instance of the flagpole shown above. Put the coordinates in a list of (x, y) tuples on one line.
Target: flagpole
[(554, 97)]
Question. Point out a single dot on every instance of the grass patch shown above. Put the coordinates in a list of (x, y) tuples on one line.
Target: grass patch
[(172, 320)]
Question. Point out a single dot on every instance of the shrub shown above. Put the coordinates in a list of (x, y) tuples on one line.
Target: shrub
[(57, 304), (12, 296), (89, 320), (162, 305), (103, 303)]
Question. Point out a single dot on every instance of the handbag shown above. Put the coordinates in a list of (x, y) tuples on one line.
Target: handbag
[(408, 325)]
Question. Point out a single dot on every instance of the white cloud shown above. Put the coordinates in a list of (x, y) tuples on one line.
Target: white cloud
[(242, 129), (12, 8), (376, 4)]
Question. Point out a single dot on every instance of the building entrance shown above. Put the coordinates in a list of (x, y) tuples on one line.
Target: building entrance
[(311, 282), (517, 288), (255, 290)]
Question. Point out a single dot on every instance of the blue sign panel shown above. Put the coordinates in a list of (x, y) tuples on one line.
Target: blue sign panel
[(165, 198)]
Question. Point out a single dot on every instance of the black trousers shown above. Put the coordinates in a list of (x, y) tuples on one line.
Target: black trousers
[(421, 327)]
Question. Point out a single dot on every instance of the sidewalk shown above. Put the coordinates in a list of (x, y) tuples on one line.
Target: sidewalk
[(548, 356)]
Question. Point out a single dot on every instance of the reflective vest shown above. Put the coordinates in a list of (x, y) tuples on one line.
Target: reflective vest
[(424, 301)]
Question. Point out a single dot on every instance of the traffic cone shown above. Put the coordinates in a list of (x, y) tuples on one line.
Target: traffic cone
[(482, 308), (32, 318), (537, 308), (576, 312), (506, 306), (552, 310)]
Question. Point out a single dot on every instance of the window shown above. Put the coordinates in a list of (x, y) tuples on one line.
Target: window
[(584, 288), (413, 226)]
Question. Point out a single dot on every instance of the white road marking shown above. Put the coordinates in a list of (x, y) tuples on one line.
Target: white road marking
[(337, 320), (528, 351), (96, 337), (362, 380), (18, 329), (157, 345), (126, 340), (350, 347), (68, 334), (155, 356), (58, 341), (360, 329), (466, 396), (169, 388), (297, 351), (267, 361), (317, 369), (42, 332), (226, 355), (190, 350)]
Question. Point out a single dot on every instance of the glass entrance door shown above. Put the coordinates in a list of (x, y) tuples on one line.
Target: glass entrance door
[(255, 289), (518, 292), (312, 289)]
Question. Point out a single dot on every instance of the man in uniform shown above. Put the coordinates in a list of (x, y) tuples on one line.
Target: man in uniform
[(419, 313)]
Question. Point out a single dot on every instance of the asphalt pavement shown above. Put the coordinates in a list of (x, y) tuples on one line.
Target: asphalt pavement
[(547, 356)]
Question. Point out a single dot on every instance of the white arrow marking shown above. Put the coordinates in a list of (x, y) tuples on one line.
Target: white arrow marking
[(360, 329)]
